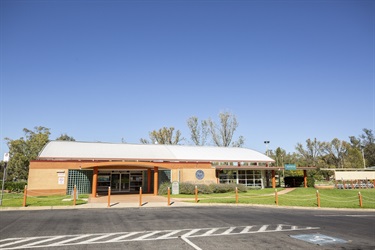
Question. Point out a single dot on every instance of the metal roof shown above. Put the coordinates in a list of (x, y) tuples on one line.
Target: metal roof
[(72, 150)]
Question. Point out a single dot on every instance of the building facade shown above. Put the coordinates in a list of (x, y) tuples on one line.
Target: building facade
[(125, 168)]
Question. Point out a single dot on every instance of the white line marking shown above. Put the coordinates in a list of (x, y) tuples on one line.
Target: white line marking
[(263, 228), (18, 242), (96, 238), (166, 236), (209, 232), (246, 229), (43, 241), (70, 240), (190, 233), (228, 231), (190, 243), (100, 238), (119, 239), (147, 235)]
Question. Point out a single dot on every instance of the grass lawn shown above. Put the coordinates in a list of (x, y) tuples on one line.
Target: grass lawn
[(16, 200), (303, 197)]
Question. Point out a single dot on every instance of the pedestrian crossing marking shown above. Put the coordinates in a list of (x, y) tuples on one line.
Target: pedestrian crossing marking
[(87, 239)]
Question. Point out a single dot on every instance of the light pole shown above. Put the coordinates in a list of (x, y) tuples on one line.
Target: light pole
[(5, 159), (267, 142), (363, 157)]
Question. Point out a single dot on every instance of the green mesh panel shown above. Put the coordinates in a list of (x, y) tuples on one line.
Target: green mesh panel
[(82, 179)]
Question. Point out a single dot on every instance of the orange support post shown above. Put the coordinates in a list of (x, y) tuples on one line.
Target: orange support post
[(360, 199), (236, 195), (94, 182), (74, 195), (156, 180), (273, 179), (351, 183), (169, 196), (276, 198), (109, 197), (24, 196), (196, 194), (140, 196), (318, 198), (305, 178)]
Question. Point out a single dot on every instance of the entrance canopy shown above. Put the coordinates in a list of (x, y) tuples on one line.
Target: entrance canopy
[(72, 150)]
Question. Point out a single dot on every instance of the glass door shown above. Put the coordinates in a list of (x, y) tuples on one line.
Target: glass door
[(125, 181), (115, 182)]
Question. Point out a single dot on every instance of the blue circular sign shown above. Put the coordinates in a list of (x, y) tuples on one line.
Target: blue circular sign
[(199, 174)]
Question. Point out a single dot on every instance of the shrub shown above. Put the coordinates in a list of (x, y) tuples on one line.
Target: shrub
[(163, 188), (187, 188), (15, 187)]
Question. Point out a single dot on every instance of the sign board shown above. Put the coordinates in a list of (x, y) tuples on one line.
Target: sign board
[(61, 180), (175, 187), (290, 167)]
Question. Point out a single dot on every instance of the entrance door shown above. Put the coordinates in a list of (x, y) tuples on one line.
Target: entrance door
[(115, 182), (125, 180), (120, 182)]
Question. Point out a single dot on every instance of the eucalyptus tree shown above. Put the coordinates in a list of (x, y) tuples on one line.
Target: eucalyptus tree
[(65, 137), (25, 149), (198, 131), (335, 152), (312, 152), (365, 143), (222, 133), (164, 136)]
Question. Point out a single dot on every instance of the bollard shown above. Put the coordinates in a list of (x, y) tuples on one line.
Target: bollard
[(140, 196), (109, 197), (236, 195), (24, 196), (74, 195), (276, 198), (318, 198), (169, 196), (196, 194), (360, 199)]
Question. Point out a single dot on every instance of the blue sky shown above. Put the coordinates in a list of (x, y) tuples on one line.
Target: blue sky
[(107, 70)]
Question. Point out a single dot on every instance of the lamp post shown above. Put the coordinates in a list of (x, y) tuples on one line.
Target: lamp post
[(363, 157), (267, 142), (5, 159)]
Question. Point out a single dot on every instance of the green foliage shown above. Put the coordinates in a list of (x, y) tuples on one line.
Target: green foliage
[(25, 149), (189, 188), (65, 137), (14, 187), (164, 136), (163, 188)]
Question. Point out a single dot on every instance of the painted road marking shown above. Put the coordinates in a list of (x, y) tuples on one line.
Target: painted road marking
[(184, 234), (318, 239)]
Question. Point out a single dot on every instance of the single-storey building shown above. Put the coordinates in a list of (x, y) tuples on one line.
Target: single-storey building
[(94, 166)]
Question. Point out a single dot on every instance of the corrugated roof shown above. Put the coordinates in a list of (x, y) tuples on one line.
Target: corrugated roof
[(72, 150)]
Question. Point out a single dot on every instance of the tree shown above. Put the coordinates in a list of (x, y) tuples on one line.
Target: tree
[(336, 151), (365, 144), (164, 136), (222, 134), (65, 137), (198, 131), (311, 153), (25, 149)]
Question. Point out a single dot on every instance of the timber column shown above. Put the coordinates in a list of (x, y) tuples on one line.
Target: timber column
[(94, 182), (305, 178), (156, 180), (273, 179)]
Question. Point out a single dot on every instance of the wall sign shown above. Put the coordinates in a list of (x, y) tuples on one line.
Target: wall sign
[(199, 174)]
